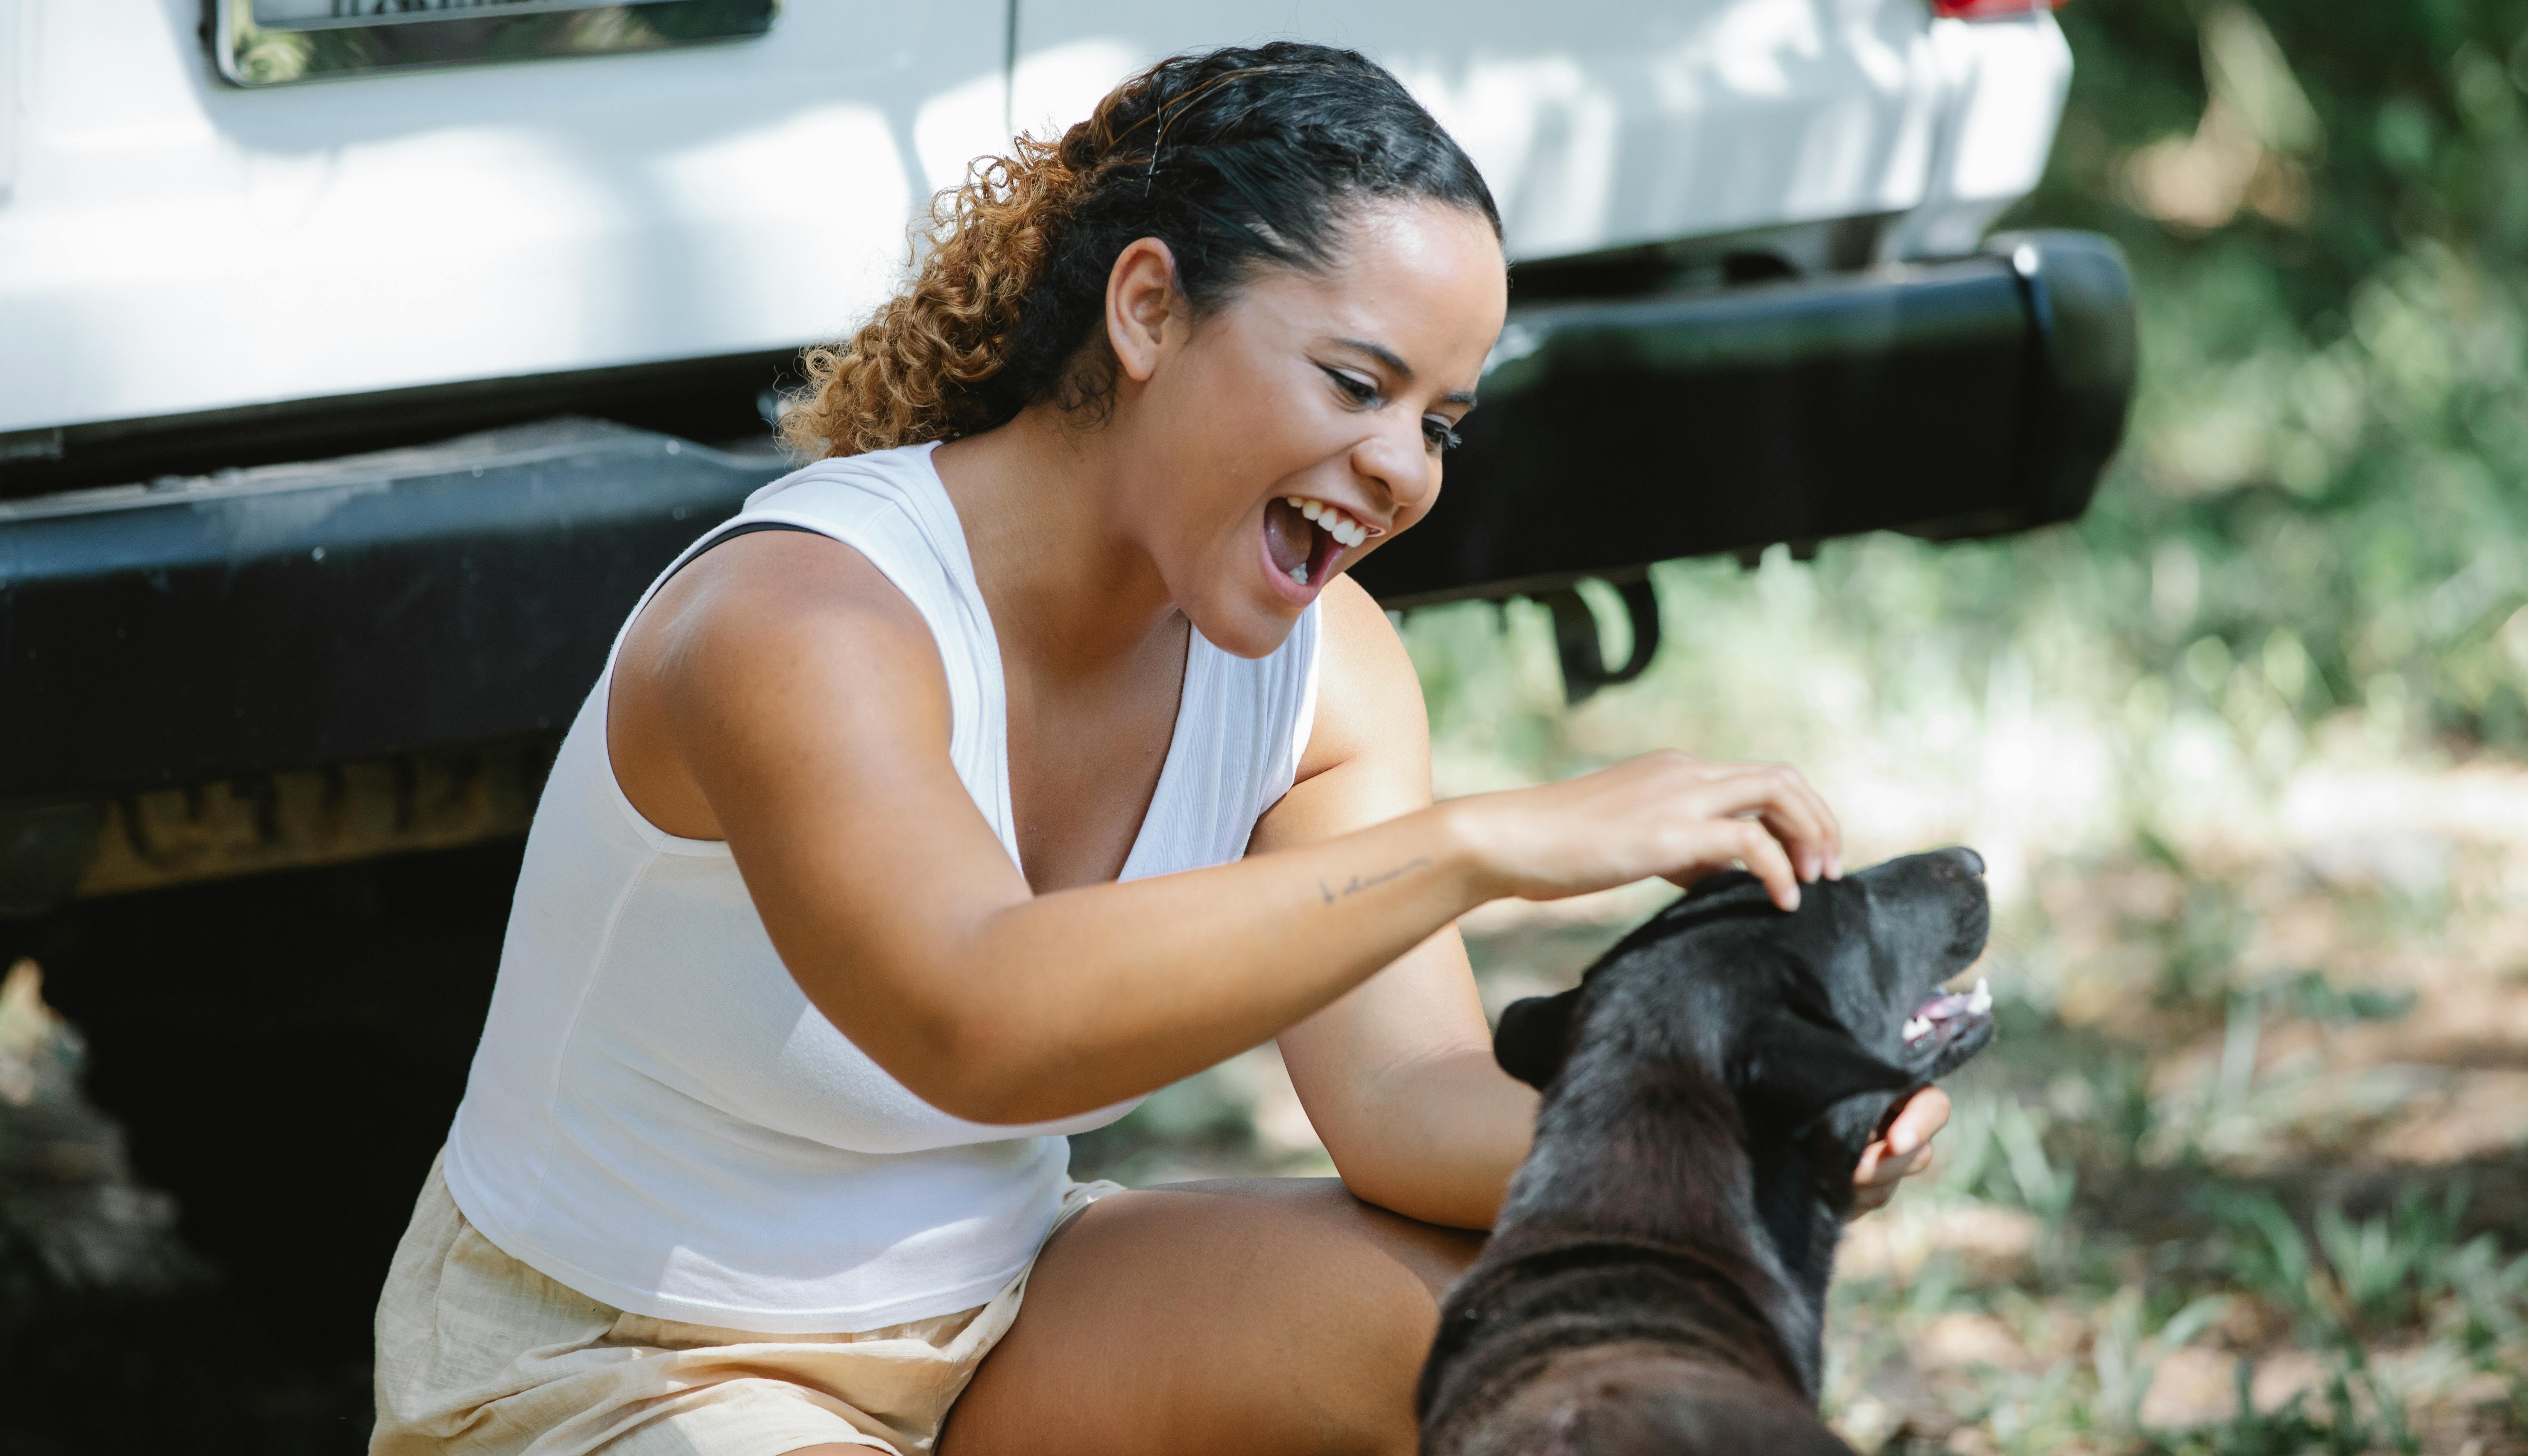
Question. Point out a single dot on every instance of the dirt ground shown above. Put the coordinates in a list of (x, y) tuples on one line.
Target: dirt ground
[(2256, 1125)]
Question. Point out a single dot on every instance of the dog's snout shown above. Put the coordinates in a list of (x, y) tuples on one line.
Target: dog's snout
[(1972, 861)]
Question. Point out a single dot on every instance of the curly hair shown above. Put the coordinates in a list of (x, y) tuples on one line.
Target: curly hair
[(1237, 159)]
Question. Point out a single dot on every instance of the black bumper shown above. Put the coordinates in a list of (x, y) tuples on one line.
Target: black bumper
[(1964, 399), (300, 615)]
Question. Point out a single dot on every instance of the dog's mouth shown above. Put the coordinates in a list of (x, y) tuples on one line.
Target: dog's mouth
[(1948, 1017)]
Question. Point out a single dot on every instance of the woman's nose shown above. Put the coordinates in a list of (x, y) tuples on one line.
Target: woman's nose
[(1405, 472)]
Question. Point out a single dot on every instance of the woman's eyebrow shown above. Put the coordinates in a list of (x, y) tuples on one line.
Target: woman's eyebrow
[(1383, 355), (1403, 371)]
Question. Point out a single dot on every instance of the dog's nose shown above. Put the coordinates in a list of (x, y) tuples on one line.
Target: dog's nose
[(1973, 860)]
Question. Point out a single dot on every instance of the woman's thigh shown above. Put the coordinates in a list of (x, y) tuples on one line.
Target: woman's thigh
[(1276, 1316)]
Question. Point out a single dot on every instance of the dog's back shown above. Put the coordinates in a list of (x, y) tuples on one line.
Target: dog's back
[(1609, 1349), (1643, 1399)]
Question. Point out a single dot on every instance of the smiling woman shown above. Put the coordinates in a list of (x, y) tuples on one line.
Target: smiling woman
[(1275, 163), (1025, 752)]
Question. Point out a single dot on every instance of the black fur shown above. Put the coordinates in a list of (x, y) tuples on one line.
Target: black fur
[(1656, 1280)]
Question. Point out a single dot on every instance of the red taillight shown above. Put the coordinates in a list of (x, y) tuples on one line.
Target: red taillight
[(1988, 10)]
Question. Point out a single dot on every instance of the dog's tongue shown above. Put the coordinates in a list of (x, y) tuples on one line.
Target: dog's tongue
[(1288, 536), (1947, 1006)]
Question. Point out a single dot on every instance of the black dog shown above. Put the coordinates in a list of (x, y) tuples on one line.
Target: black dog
[(1656, 1280)]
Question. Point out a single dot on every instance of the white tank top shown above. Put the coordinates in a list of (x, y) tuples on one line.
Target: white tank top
[(658, 1118)]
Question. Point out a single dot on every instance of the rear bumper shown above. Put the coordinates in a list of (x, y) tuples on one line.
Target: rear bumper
[(296, 616), (1964, 398)]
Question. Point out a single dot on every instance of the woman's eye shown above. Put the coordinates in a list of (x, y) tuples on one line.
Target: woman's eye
[(1358, 390), (1440, 436)]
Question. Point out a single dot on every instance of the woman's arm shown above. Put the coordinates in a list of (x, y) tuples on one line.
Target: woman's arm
[(799, 697), (1397, 1075)]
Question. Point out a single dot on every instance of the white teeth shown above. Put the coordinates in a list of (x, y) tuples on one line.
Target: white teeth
[(1299, 573), (1341, 527), (1917, 1029), (1982, 999)]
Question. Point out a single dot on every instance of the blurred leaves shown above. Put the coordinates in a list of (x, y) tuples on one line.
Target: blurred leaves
[(2321, 510), (2327, 452)]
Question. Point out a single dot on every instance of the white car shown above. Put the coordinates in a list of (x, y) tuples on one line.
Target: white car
[(542, 262)]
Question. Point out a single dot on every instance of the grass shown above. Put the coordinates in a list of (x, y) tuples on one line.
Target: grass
[(2218, 1257)]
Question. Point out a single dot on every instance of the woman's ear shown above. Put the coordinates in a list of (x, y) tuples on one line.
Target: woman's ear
[(1535, 1037), (1142, 301)]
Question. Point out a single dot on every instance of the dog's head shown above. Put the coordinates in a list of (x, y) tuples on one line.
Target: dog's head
[(1722, 1021), (1818, 1020)]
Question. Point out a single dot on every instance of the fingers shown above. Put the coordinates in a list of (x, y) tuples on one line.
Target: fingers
[(1875, 1177), (1881, 1167), (1923, 1116), (1675, 815), (1798, 816), (1744, 842), (1829, 831), (1905, 1151), (1790, 810), (1764, 856)]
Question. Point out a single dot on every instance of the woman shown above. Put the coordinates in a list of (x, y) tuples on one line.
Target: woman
[(1029, 752)]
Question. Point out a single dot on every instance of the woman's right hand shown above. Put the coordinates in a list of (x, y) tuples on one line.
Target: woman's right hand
[(1667, 813)]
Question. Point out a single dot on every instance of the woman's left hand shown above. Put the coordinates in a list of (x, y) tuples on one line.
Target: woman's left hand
[(1903, 1150)]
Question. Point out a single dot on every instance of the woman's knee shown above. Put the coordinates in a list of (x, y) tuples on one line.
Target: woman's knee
[(1274, 1315)]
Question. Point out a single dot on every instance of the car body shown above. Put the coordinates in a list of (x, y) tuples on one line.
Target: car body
[(358, 369), (175, 244)]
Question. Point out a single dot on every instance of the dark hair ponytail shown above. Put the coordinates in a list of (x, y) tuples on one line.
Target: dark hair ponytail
[(1236, 159)]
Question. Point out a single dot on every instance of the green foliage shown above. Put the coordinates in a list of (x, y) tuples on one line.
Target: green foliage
[(2327, 451), (2269, 1255), (2361, 1275)]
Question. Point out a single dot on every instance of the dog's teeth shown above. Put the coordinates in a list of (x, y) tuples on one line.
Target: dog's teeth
[(1982, 999), (1917, 1029)]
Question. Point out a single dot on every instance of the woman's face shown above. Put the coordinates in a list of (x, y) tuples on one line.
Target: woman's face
[(1338, 389)]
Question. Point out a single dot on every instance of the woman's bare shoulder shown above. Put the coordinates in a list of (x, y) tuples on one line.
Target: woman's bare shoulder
[(773, 643)]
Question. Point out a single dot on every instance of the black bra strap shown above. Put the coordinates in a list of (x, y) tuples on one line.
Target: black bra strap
[(732, 534)]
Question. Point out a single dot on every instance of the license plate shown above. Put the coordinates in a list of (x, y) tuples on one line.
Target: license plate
[(278, 42)]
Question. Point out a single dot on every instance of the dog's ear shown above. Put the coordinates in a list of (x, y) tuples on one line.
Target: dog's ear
[(1795, 1068), (1535, 1036)]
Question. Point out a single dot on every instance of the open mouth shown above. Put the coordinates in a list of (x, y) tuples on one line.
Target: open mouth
[(1302, 539), (1947, 1017)]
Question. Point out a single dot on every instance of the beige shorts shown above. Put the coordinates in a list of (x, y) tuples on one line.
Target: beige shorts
[(479, 1354)]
